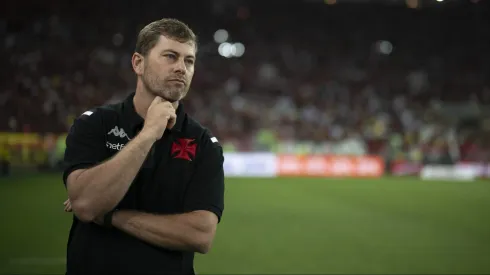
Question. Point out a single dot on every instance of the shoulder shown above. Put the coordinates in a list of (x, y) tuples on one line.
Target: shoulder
[(101, 112), (205, 135), (95, 118), (209, 148)]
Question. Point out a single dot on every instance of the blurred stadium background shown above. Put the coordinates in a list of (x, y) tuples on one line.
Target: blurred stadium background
[(357, 132)]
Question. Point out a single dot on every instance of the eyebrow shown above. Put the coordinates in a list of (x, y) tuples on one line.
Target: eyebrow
[(178, 54)]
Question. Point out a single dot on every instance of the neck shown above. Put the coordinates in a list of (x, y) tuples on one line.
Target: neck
[(142, 101)]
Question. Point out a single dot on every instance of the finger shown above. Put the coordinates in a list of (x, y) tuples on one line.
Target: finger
[(156, 100), (173, 117), (67, 205), (168, 104), (171, 121)]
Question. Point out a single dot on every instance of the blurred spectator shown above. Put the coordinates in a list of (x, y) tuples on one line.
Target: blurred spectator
[(332, 80)]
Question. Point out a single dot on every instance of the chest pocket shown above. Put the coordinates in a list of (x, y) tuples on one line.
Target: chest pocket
[(166, 174)]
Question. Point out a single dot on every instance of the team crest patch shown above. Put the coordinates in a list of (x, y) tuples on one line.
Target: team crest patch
[(184, 148)]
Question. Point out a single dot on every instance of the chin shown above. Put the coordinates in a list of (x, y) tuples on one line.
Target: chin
[(172, 96), (168, 96)]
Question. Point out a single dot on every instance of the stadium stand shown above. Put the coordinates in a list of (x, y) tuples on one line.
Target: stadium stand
[(335, 80)]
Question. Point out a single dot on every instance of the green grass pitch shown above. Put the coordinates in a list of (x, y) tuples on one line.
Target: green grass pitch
[(289, 226)]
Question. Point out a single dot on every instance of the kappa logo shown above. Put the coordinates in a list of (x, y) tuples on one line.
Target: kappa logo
[(183, 149), (119, 133)]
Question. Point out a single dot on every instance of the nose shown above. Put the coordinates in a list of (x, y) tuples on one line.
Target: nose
[(180, 66)]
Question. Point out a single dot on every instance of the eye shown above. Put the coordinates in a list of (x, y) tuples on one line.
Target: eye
[(190, 61), (170, 56)]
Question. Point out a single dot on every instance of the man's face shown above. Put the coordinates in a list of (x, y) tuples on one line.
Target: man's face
[(169, 68)]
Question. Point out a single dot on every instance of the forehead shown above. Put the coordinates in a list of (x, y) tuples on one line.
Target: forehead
[(164, 43)]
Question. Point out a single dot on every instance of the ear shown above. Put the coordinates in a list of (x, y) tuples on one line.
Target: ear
[(138, 62)]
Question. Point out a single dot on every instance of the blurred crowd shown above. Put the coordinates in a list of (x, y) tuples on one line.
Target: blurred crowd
[(345, 79)]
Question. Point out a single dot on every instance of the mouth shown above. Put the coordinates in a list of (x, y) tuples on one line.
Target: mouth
[(177, 81)]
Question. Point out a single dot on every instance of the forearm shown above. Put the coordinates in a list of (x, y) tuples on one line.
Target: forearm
[(184, 232), (98, 190)]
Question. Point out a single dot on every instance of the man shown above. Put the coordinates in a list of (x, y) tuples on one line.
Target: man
[(145, 181)]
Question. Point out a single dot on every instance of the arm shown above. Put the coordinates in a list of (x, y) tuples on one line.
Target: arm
[(192, 231), (203, 207), (97, 190)]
